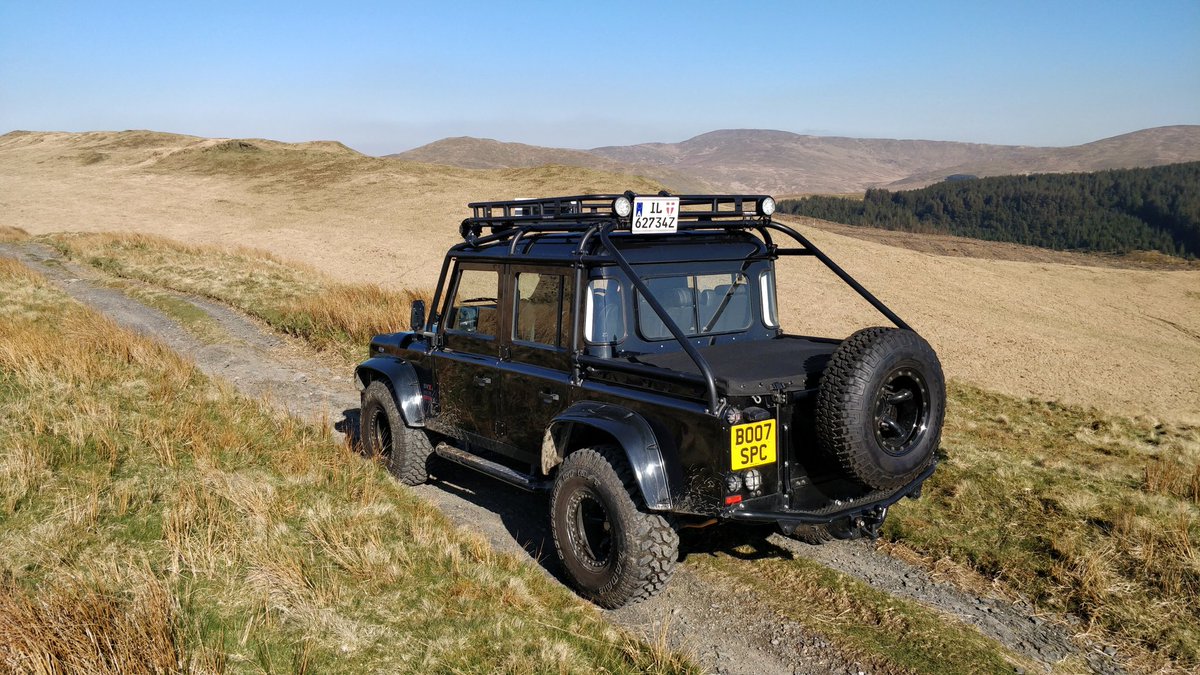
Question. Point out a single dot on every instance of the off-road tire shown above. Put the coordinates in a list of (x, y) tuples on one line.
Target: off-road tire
[(404, 450), (643, 546), (852, 393)]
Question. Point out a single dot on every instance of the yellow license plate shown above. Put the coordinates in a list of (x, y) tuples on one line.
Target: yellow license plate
[(752, 444)]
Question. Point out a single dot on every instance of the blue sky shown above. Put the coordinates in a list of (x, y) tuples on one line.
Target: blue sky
[(384, 77)]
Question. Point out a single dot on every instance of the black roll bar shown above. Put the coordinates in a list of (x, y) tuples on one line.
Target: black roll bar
[(842, 274)]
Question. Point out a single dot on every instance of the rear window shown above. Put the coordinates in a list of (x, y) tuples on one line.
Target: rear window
[(700, 304)]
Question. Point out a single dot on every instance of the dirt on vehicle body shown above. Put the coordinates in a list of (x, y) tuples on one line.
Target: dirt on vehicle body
[(625, 353)]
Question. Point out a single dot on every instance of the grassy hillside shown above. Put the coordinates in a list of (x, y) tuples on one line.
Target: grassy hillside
[(355, 213), (1089, 514), (1156, 209), (152, 521)]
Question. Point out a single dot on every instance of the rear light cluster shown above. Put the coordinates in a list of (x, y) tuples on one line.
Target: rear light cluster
[(735, 483)]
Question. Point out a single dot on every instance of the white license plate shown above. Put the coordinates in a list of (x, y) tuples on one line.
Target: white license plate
[(653, 215)]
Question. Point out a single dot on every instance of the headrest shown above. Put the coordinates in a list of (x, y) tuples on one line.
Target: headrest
[(675, 297)]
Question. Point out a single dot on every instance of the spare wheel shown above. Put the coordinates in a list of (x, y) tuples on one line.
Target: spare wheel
[(880, 406)]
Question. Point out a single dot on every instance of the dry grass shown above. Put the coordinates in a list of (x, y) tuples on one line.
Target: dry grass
[(9, 233), (294, 300), (1085, 513), (886, 633), (76, 628), (151, 521)]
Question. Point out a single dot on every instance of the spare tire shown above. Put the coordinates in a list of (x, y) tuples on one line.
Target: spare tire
[(880, 406)]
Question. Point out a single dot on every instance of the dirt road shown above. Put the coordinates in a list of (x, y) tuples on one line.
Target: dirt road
[(725, 628)]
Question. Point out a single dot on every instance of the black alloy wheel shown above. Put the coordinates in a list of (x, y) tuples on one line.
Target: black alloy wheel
[(404, 450), (381, 432), (590, 531), (901, 411)]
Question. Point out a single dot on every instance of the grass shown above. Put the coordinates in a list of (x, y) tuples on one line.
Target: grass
[(153, 521), (197, 321), (8, 233), (296, 301), (889, 634), (1088, 514)]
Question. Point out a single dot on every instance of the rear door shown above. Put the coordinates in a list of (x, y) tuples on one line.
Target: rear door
[(536, 374)]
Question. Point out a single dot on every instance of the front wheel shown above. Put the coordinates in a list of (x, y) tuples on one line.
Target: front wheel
[(383, 433), (613, 553)]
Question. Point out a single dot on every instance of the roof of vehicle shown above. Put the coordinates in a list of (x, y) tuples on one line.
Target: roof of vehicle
[(640, 248)]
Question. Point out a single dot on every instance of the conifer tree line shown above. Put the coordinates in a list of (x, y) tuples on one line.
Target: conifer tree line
[(1153, 209)]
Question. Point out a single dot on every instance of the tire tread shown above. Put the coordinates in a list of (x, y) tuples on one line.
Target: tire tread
[(655, 539)]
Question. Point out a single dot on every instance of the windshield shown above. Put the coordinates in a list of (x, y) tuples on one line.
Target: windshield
[(700, 304)]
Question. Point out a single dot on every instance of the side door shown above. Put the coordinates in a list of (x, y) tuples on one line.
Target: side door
[(537, 370), (467, 365)]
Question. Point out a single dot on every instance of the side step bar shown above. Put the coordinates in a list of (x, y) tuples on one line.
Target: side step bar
[(490, 468)]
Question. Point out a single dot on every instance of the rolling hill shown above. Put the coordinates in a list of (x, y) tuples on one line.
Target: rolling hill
[(784, 163)]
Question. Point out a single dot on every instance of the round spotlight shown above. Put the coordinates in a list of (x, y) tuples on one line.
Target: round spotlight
[(766, 206), (733, 483), (733, 415), (753, 480), (622, 207)]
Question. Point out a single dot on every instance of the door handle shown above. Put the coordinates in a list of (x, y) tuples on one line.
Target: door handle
[(481, 381), (549, 397)]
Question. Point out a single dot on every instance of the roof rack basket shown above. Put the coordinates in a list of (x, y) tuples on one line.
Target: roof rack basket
[(579, 212)]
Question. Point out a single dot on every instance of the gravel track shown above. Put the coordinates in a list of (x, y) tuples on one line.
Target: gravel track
[(723, 628)]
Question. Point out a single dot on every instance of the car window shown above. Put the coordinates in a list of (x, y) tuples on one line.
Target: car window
[(604, 318), (542, 309), (475, 308), (700, 304)]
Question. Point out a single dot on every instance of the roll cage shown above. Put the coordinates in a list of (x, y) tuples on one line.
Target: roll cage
[(512, 223)]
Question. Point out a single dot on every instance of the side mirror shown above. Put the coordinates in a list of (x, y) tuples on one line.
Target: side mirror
[(417, 318)]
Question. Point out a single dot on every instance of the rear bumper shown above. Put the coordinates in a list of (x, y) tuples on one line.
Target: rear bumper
[(864, 514)]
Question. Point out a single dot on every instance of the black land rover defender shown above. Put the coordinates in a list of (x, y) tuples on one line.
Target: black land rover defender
[(624, 353)]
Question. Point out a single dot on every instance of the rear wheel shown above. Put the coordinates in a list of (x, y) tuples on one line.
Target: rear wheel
[(383, 433), (880, 406), (613, 552)]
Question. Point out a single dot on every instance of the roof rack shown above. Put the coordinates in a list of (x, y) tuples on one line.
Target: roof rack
[(578, 212)]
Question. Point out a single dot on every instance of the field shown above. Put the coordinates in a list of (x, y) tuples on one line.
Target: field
[(1073, 471)]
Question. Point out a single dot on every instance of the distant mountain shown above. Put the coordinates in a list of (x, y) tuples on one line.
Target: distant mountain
[(1140, 149), (484, 153), (783, 163)]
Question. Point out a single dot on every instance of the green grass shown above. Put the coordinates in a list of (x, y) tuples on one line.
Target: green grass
[(1086, 513), (889, 634), (192, 529), (194, 319)]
